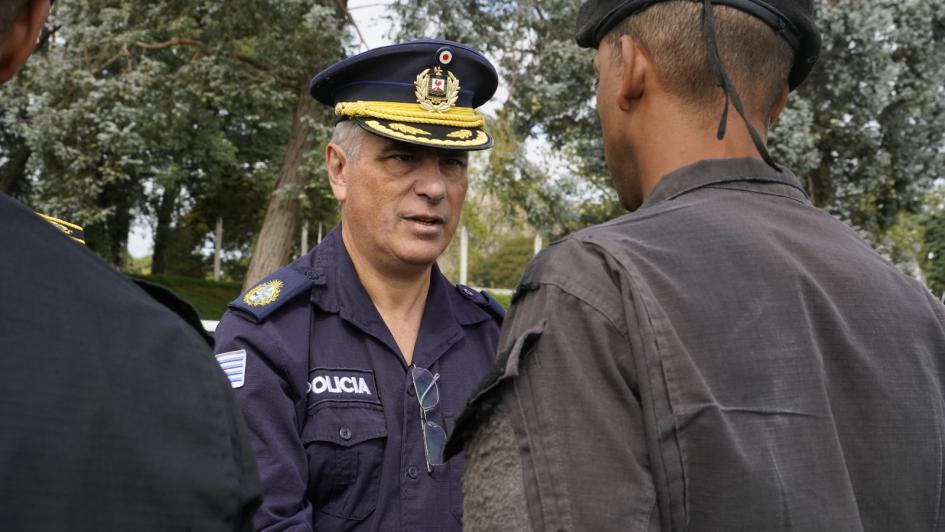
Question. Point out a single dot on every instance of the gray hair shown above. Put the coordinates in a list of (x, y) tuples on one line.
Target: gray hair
[(348, 136)]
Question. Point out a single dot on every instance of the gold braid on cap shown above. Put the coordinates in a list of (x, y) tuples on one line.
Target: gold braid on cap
[(464, 117)]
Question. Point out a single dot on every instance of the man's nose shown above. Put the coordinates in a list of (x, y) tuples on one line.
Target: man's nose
[(430, 182)]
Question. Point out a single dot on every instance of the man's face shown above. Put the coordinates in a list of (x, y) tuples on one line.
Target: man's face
[(402, 202)]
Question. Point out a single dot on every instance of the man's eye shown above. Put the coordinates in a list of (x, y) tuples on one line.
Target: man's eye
[(402, 157), (459, 163)]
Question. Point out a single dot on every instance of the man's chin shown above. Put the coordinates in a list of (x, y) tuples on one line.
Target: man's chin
[(420, 254)]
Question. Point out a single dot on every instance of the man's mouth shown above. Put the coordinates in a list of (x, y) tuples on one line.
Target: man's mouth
[(425, 219)]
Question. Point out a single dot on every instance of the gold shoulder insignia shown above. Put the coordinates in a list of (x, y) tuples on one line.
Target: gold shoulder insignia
[(263, 294)]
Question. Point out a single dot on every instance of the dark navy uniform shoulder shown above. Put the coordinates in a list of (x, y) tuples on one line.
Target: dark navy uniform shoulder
[(273, 292), (484, 301)]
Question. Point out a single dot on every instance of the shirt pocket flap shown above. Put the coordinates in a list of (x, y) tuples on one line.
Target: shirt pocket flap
[(344, 425)]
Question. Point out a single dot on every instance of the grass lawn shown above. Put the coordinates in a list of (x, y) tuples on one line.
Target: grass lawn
[(503, 299), (208, 297)]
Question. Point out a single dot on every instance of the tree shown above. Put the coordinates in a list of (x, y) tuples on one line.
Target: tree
[(175, 109), (865, 133), (503, 268), (322, 46)]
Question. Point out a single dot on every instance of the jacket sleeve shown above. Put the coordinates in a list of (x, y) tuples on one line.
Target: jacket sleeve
[(563, 402), (271, 394)]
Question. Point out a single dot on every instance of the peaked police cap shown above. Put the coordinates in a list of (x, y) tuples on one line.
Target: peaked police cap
[(792, 19), (421, 92)]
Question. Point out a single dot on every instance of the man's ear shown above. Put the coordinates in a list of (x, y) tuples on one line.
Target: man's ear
[(778, 106), (336, 160), (635, 66), (19, 43)]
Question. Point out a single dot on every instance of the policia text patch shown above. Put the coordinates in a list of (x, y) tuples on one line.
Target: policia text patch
[(342, 385)]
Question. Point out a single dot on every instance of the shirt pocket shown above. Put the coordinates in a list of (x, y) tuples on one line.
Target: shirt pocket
[(345, 448)]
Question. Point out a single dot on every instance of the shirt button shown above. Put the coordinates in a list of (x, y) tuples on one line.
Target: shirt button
[(412, 472), (410, 391), (345, 433)]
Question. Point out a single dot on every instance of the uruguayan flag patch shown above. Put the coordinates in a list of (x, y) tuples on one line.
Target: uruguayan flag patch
[(234, 365)]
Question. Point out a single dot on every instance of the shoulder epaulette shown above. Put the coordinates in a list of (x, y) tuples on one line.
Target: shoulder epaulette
[(271, 293), (485, 301)]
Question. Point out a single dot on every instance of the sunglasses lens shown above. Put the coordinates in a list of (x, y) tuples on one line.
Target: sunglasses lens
[(434, 440), (425, 384)]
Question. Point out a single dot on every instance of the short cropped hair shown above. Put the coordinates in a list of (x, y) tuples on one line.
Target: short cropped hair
[(757, 60), (348, 136), (9, 10)]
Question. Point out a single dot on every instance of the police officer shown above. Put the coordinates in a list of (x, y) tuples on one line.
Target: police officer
[(114, 414), (729, 357), (351, 363)]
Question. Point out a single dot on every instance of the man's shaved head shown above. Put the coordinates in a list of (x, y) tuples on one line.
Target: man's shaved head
[(757, 59)]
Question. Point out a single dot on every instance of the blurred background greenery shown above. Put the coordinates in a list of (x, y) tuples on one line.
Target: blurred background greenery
[(191, 118)]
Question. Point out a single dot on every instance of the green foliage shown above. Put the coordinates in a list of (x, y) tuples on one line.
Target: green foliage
[(503, 268), (935, 246), (178, 110), (932, 256), (503, 299), (138, 267), (865, 133)]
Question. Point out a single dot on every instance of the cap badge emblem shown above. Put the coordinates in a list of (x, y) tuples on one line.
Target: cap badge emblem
[(436, 89), (263, 294)]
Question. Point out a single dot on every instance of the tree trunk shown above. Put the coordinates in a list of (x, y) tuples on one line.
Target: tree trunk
[(13, 173), (162, 233), (217, 248), (274, 244), (109, 239), (303, 247)]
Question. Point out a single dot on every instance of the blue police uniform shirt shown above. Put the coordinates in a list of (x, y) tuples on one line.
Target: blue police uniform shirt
[(334, 420)]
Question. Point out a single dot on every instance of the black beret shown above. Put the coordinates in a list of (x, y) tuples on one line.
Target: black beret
[(792, 19), (422, 92)]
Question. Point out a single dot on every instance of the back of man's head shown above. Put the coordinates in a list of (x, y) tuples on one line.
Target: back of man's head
[(20, 24), (757, 59)]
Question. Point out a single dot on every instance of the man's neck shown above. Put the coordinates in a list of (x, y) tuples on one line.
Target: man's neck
[(399, 296), (673, 141)]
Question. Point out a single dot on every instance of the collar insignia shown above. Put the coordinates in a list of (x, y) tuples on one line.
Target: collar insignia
[(437, 89), (263, 294)]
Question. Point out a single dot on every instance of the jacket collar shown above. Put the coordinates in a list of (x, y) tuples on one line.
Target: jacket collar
[(338, 290), (716, 171)]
